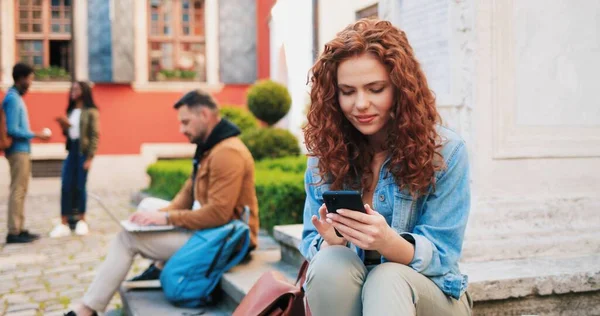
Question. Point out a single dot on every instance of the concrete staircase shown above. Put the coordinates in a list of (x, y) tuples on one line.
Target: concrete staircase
[(536, 286)]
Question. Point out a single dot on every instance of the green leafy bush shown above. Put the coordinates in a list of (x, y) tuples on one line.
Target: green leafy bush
[(271, 143), (240, 117), (172, 74), (269, 101), (187, 74), (52, 73), (279, 187)]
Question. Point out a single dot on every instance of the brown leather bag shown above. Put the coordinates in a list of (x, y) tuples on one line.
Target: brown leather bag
[(274, 295), (5, 140)]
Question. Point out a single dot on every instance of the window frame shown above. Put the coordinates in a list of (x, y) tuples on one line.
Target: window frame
[(371, 11), (177, 39), (46, 35)]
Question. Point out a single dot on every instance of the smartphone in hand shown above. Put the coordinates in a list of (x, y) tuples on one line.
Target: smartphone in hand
[(351, 200)]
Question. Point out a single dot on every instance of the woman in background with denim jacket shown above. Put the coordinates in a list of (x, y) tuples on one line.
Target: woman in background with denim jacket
[(373, 127), (81, 127)]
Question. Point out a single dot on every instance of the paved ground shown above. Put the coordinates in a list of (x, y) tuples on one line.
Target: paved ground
[(45, 277)]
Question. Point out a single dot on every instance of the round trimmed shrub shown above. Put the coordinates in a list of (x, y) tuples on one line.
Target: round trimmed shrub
[(271, 143), (269, 101), (240, 117)]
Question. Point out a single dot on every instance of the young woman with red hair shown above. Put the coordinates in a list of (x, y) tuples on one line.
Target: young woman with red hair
[(373, 127)]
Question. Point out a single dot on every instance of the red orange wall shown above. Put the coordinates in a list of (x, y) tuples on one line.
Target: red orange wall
[(127, 118)]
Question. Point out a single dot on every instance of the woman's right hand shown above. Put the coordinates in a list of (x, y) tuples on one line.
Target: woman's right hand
[(64, 122), (325, 229)]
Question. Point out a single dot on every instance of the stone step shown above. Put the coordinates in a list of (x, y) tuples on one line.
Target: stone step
[(289, 237), (238, 281), (154, 303), (531, 245), (544, 285)]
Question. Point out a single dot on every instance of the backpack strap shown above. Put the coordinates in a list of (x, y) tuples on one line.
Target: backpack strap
[(238, 256)]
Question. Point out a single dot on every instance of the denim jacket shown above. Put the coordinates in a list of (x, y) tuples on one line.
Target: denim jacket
[(17, 122), (435, 221)]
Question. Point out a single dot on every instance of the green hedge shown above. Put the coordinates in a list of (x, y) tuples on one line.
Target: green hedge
[(271, 143), (279, 186), (240, 117), (167, 177), (294, 164)]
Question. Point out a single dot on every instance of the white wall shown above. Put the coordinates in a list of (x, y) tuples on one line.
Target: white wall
[(291, 57), (334, 15), (536, 130), (537, 114)]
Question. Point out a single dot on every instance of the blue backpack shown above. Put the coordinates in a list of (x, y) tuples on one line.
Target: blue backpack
[(191, 275)]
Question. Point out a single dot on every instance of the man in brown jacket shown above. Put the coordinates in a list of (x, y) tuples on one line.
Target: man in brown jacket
[(222, 183)]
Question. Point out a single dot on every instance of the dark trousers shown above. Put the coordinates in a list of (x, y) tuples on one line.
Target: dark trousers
[(73, 193)]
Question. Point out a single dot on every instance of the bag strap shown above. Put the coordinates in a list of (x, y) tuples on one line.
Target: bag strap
[(242, 215), (218, 254), (239, 256), (302, 274)]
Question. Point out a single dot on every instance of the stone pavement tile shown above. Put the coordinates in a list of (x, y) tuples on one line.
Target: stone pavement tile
[(43, 296), (62, 270), (6, 276), (91, 266), (31, 288), (15, 298), (31, 312), (74, 293), (7, 284), (86, 259), (7, 291), (8, 268), (22, 257), (29, 272), (21, 307), (59, 280), (87, 277), (29, 281), (54, 307)]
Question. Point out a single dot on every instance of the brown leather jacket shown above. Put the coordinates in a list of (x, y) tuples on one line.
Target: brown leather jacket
[(224, 185)]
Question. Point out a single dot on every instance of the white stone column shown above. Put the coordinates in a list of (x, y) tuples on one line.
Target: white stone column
[(80, 19), (141, 41), (211, 15), (7, 41)]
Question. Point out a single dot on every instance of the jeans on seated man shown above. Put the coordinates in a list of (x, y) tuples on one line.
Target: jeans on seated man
[(222, 182)]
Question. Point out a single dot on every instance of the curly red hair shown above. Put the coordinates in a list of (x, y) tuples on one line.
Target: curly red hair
[(343, 152)]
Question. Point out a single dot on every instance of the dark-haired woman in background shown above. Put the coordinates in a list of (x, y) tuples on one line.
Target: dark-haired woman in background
[(81, 128)]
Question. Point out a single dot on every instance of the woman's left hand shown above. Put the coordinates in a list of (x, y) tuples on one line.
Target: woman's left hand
[(87, 164), (368, 231)]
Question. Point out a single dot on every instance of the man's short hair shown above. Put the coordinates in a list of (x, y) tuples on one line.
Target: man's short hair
[(196, 98), (21, 70)]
